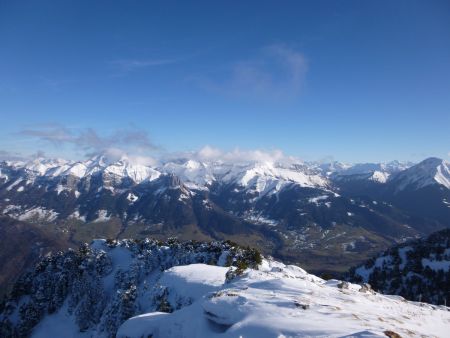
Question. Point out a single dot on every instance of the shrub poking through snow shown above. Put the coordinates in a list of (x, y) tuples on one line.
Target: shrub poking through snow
[(392, 334)]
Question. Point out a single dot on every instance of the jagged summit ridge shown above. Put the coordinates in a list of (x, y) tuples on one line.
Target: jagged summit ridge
[(199, 174), (191, 172), (205, 173)]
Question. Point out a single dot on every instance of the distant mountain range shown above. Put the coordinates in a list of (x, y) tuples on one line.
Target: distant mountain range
[(325, 217)]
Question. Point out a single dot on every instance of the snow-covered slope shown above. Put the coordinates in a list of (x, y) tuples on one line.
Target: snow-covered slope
[(432, 171), (52, 168), (282, 301), (261, 175), (342, 169), (80, 186), (92, 291), (198, 174), (376, 176), (416, 270), (188, 290), (195, 173)]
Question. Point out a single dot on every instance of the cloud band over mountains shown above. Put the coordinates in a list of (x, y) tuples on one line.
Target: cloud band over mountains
[(136, 145)]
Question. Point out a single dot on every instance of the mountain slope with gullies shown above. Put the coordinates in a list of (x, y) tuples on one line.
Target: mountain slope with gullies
[(324, 217)]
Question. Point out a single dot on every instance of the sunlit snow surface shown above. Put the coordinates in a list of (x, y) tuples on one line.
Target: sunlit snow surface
[(427, 172), (281, 301), (274, 301)]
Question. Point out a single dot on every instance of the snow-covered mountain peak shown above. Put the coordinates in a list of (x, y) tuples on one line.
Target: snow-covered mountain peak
[(248, 174), (430, 171), (77, 169), (256, 176), (95, 164), (191, 164), (431, 162), (265, 176), (332, 167), (396, 166), (386, 168), (136, 172), (197, 174), (40, 166)]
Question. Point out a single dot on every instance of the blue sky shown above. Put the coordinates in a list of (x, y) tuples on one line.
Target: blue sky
[(353, 80)]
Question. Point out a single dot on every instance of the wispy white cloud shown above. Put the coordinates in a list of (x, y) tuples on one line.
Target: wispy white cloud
[(276, 71), (136, 145), (54, 84), (10, 156), (131, 65), (131, 142), (16, 156), (237, 155)]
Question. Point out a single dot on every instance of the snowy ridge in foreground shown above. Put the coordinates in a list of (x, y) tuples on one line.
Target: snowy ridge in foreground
[(91, 291), (148, 288), (281, 301)]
